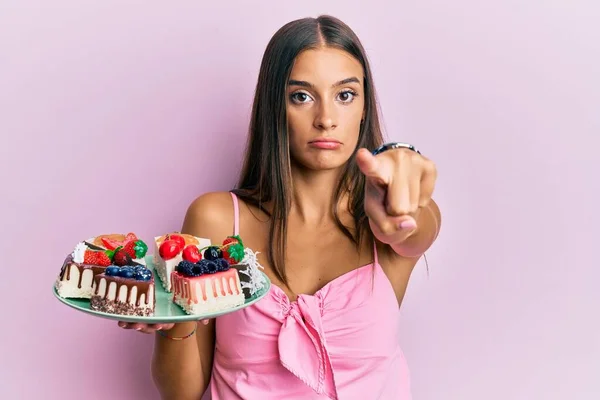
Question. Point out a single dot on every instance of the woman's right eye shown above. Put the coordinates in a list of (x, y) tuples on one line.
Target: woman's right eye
[(300, 97)]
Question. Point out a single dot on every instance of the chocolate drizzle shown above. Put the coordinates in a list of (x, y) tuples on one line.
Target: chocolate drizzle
[(93, 246), (143, 287), (65, 271)]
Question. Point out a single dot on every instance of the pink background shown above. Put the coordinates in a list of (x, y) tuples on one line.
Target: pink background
[(116, 114)]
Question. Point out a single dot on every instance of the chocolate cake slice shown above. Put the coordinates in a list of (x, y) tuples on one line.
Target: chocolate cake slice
[(126, 290)]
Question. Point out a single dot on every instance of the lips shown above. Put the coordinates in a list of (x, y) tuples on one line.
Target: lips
[(325, 144), (325, 140)]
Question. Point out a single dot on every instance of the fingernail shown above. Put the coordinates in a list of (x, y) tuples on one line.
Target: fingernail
[(408, 224)]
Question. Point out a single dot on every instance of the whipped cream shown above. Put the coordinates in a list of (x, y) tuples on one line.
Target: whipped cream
[(257, 280), (79, 252)]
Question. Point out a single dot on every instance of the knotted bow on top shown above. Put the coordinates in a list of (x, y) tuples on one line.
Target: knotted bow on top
[(302, 347)]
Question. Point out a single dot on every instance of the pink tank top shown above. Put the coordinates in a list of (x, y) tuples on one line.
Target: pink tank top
[(340, 343)]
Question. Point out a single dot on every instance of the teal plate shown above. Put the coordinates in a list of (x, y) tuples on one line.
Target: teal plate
[(165, 311)]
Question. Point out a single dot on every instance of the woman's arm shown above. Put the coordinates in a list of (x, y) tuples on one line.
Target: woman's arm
[(398, 189), (429, 221), (182, 369)]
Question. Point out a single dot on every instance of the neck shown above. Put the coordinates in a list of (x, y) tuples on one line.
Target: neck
[(312, 194)]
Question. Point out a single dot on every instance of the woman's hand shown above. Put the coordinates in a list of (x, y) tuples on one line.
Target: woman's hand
[(399, 183), (150, 328)]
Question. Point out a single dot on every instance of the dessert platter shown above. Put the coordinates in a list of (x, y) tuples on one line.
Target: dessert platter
[(187, 278)]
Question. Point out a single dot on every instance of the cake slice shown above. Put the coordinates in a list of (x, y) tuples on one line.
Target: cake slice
[(245, 261), (171, 249), (213, 283), (207, 286), (125, 290), (77, 273), (91, 257), (135, 247)]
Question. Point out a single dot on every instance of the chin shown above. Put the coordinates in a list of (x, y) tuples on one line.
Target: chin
[(324, 162)]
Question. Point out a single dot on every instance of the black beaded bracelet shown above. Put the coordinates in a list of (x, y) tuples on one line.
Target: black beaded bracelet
[(164, 334), (395, 145)]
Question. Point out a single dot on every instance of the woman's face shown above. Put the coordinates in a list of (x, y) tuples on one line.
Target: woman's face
[(325, 103)]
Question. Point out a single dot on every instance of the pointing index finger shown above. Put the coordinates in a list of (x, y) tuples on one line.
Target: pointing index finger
[(372, 167)]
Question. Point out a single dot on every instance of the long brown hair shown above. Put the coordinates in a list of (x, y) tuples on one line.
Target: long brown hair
[(266, 174)]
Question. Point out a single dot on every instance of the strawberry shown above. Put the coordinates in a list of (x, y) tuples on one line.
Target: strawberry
[(230, 240), (96, 258), (140, 248), (233, 249), (121, 258), (130, 237), (103, 259), (130, 249), (90, 257), (228, 258), (110, 244)]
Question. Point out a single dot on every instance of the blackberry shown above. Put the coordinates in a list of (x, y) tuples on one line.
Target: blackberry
[(223, 264), (196, 270), (185, 268), (211, 267), (212, 253)]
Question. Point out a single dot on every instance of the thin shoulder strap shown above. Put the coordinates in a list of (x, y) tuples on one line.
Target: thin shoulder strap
[(375, 258), (236, 214)]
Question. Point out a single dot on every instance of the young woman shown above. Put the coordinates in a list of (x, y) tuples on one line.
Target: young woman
[(340, 227)]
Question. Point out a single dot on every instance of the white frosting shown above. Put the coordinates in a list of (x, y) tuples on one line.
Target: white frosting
[(79, 252), (141, 261), (257, 279), (68, 286), (205, 295), (212, 303), (112, 291), (216, 305)]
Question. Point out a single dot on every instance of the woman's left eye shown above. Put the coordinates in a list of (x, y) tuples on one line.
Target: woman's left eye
[(347, 96)]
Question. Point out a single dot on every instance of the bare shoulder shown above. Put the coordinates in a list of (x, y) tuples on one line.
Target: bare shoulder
[(210, 216)]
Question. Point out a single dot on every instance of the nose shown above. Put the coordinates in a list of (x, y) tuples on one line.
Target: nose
[(326, 118)]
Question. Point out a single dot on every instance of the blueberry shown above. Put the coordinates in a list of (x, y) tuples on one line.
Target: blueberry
[(223, 264), (127, 272), (212, 253), (113, 270), (142, 274)]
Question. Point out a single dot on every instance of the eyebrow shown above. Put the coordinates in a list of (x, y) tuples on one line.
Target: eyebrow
[(353, 79)]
